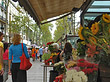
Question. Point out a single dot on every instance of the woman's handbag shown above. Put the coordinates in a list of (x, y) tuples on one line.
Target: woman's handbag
[(25, 63)]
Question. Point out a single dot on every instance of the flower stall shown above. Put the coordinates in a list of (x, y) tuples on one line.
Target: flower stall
[(51, 55), (92, 54), (97, 41)]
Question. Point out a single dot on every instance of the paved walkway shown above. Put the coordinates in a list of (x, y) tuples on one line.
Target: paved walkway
[(35, 74)]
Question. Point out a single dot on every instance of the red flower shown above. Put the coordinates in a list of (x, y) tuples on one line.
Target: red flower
[(95, 69), (49, 43), (81, 64), (88, 71), (59, 78), (81, 60)]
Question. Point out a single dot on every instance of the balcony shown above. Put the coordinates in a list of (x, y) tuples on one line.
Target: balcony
[(3, 8)]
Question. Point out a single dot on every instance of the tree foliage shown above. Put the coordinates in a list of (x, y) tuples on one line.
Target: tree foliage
[(46, 35), (61, 28), (22, 24)]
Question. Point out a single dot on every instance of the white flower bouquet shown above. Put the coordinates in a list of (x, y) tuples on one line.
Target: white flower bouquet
[(74, 76)]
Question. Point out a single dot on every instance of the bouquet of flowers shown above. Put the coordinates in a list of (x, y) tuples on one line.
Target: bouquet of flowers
[(60, 67), (74, 54), (46, 58), (81, 48), (74, 76), (50, 47), (90, 69)]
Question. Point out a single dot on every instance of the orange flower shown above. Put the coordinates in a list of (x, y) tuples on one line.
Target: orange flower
[(80, 33), (91, 50), (95, 28), (106, 18), (92, 39)]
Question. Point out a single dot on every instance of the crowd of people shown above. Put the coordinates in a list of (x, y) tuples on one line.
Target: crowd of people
[(37, 53), (10, 57)]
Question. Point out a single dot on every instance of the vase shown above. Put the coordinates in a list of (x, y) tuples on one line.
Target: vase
[(93, 77), (46, 63), (104, 73)]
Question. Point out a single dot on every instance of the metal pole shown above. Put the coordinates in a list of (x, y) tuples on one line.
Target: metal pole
[(74, 23), (72, 28), (65, 30)]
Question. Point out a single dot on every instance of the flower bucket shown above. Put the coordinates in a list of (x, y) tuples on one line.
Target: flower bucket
[(53, 75), (93, 77), (104, 73), (46, 63)]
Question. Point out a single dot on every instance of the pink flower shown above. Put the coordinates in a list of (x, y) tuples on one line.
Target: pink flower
[(77, 68)]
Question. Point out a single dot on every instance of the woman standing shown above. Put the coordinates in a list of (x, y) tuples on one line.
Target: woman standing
[(15, 50), (5, 62), (1, 57), (67, 49)]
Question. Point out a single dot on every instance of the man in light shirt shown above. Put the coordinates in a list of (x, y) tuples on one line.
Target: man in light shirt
[(41, 53)]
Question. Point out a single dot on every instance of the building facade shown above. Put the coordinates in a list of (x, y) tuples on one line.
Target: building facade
[(3, 16)]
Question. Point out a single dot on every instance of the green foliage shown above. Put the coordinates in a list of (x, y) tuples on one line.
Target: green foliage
[(50, 47), (81, 49), (16, 25), (46, 35), (61, 28), (46, 56), (60, 67), (22, 23)]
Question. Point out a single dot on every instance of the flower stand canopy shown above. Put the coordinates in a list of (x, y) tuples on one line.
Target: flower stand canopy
[(42, 10)]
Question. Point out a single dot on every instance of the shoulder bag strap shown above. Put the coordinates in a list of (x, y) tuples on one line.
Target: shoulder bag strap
[(22, 46)]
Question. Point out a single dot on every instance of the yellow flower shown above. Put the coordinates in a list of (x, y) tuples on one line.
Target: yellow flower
[(106, 18), (80, 33), (83, 42), (54, 54), (86, 28), (105, 41), (95, 28), (71, 64), (92, 39)]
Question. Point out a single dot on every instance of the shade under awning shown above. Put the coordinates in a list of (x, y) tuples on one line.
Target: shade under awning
[(44, 9)]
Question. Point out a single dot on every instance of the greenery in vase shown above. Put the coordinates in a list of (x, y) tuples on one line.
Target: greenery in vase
[(46, 56), (81, 49), (60, 67)]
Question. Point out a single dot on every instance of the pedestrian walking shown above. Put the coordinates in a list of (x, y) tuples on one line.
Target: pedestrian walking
[(41, 53), (1, 58), (5, 62), (33, 53), (16, 51), (36, 52)]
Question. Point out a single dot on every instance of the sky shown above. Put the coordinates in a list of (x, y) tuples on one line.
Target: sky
[(54, 27)]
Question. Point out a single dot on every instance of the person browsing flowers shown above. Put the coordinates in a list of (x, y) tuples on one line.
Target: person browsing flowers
[(15, 51)]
